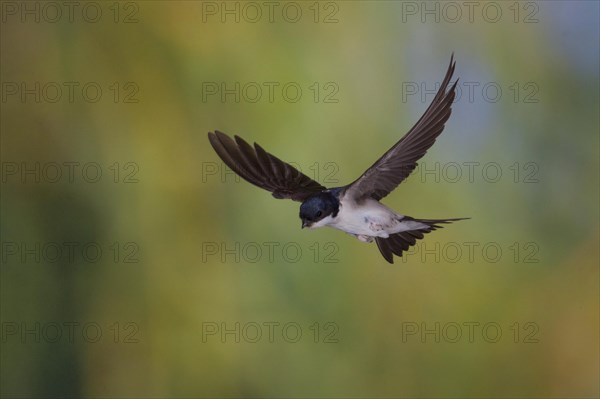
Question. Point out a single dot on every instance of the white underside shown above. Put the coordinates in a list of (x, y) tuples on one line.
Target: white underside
[(369, 219)]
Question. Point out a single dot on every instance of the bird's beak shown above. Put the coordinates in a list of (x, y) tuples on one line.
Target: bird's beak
[(304, 223)]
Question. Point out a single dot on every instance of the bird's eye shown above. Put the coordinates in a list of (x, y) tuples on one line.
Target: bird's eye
[(319, 214)]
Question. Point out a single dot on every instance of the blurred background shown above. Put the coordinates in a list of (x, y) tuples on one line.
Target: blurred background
[(134, 264)]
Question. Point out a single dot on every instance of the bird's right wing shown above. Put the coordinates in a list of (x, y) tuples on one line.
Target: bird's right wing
[(400, 160), (262, 169)]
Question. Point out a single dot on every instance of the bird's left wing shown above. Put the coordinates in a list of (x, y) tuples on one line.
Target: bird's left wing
[(400, 160), (262, 169)]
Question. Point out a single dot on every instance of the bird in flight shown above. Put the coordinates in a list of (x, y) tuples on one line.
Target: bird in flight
[(354, 208)]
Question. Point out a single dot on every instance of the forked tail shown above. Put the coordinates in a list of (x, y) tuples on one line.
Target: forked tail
[(395, 244)]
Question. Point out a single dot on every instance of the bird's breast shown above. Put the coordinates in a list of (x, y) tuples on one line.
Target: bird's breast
[(369, 218)]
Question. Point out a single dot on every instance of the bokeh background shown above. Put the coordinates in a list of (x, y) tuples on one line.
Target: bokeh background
[(185, 246)]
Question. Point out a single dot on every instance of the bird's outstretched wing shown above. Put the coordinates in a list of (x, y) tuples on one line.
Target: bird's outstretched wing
[(262, 169), (400, 160)]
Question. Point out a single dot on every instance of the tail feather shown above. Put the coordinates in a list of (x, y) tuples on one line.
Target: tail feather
[(395, 244)]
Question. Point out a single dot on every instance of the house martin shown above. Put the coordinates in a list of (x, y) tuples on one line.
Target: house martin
[(355, 208)]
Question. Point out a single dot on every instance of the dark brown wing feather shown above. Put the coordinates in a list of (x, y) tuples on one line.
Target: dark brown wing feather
[(400, 160), (262, 169)]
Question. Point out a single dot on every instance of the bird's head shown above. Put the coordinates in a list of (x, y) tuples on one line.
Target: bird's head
[(317, 207)]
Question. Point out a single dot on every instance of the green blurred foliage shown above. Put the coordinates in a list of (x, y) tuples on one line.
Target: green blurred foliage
[(175, 209)]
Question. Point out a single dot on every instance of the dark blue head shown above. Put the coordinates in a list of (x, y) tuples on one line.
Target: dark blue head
[(317, 207)]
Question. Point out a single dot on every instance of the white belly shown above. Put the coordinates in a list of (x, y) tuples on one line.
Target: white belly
[(371, 219)]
